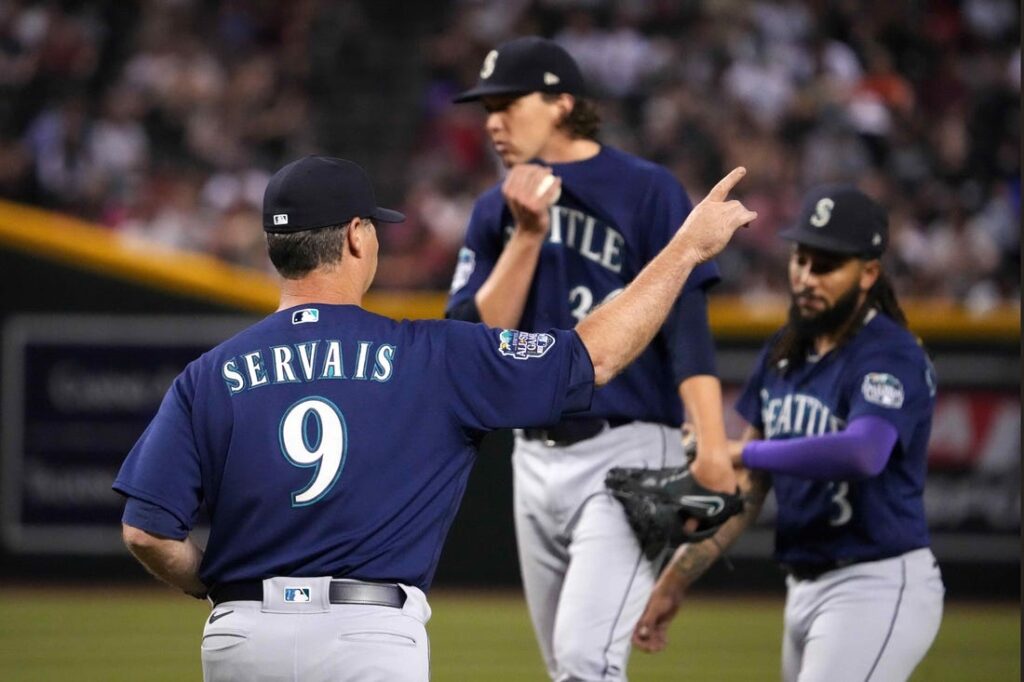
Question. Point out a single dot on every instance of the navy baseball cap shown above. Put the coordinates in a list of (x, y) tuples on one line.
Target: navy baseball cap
[(317, 191), (841, 219), (526, 65)]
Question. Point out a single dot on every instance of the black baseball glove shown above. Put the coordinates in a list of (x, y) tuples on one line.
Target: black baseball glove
[(659, 502)]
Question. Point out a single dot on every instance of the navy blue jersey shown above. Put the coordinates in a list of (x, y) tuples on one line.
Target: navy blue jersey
[(615, 213), (327, 440), (884, 372)]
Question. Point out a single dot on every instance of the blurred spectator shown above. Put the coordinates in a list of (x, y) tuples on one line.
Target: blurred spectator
[(57, 141), (163, 119)]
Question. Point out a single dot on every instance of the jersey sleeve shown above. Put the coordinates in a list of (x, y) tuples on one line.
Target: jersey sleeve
[(897, 385), (748, 405), (478, 254), (153, 519), (163, 468), (691, 346), (662, 211), (504, 378)]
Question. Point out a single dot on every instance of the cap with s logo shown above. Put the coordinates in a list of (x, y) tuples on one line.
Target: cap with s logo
[(526, 65), (841, 219)]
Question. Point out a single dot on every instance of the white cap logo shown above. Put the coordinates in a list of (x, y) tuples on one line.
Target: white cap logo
[(822, 212), (280, 218), (488, 68), (551, 79), (876, 240)]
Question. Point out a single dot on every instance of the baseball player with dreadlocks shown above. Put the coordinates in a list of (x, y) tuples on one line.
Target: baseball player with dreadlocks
[(839, 409), (572, 224)]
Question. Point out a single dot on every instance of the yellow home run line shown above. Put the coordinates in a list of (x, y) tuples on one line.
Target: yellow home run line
[(83, 245)]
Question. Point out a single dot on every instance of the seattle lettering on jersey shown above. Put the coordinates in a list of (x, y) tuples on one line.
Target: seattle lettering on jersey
[(306, 362), (594, 240), (797, 414)]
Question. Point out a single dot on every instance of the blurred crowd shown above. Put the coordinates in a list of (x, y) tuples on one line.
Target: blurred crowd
[(162, 121)]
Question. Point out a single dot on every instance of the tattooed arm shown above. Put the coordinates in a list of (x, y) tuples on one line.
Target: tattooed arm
[(692, 560)]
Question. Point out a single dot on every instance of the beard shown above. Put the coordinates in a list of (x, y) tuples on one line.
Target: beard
[(829, 320)]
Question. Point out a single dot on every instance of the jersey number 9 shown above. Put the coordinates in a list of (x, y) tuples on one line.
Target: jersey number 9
[(313, 434)]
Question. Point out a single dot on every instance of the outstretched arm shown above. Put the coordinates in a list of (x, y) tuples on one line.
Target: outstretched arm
[(616, 333), (691, 561)]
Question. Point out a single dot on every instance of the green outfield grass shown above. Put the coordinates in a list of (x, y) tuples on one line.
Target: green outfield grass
[(111, 634)]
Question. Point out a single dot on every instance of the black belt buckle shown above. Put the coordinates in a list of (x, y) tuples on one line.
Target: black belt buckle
[(812, 572), (804, 572), (568, 432)]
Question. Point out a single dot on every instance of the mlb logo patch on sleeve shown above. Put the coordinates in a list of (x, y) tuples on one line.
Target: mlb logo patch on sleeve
[(522, 346), (305, 315), (883, 389), (296, 595)]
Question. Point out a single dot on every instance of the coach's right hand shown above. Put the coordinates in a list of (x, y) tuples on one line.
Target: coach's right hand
[(526, 198), (712, 222)]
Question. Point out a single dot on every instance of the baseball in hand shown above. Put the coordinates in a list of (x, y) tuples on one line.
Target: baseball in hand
[(545, 185)]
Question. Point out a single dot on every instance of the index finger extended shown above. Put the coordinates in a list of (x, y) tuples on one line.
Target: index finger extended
[(720, 191)]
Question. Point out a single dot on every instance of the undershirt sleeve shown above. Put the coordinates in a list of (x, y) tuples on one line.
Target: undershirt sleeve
[(859, 451)]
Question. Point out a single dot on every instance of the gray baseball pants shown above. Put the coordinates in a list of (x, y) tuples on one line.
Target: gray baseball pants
[(872, 621), (585, 578), (317, 641)]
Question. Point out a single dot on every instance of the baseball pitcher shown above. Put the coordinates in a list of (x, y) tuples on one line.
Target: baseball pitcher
[(573, 223)]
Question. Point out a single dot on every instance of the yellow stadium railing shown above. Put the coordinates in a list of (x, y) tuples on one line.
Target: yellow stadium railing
[(87, 246)]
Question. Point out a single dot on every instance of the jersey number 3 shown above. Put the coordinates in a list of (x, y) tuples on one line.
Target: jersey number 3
[(844, 511), (313, 434)]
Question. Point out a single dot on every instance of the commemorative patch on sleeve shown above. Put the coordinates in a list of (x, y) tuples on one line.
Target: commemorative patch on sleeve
[(523, 346), (463, 269), (883, 389)]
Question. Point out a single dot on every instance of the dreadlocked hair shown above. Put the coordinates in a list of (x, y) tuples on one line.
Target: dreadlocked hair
[(793, 347)]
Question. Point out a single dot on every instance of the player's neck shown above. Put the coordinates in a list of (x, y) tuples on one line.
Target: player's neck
[(825, 344), (330, 287), (563, 149)]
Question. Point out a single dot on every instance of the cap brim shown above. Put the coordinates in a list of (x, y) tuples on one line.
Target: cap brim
[(492, 90), (386, 215), (818, 241)]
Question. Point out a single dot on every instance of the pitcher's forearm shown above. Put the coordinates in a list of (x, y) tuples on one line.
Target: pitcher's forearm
[(502, 298), (702, 398)]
